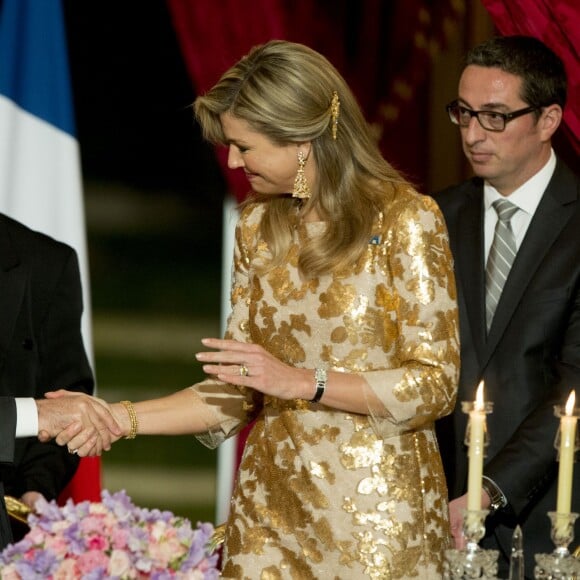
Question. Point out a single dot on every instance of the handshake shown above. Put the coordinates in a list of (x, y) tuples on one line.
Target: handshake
[(86, 425)]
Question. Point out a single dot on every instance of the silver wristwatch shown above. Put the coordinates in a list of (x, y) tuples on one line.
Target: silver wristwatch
[(497, 499)]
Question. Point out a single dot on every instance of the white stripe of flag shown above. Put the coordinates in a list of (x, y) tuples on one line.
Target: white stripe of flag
[(40, 176)]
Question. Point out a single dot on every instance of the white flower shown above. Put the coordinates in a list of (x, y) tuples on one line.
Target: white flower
[(119, 563)]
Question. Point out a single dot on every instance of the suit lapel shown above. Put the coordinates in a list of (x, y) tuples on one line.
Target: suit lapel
[(469, 253), (551, 216), (12, 287)]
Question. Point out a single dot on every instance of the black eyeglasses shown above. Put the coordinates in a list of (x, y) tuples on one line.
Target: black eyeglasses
[(489, 120)]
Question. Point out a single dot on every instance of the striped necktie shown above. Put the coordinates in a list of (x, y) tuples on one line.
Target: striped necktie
[(501, 256)]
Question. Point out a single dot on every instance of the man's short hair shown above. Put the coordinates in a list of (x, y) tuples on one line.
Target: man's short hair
[(541, 70)]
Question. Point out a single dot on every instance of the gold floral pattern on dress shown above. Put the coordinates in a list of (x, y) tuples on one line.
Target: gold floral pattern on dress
[(322, 493)]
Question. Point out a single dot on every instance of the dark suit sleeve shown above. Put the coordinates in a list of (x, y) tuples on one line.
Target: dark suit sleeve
[(7, 429), (46, 467), (569, 363), (7, 437), (62, 352)]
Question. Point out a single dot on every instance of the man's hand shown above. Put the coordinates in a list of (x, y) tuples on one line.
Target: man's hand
[(79, 420), (457, 508), (30, 498)]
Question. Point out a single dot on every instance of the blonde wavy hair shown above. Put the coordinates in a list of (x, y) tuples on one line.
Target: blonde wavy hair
[(283, 90)]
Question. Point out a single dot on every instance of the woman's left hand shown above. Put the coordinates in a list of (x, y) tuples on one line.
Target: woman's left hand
[(250, 365)]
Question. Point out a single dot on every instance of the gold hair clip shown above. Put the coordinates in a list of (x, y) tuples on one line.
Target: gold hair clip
[(334, 113)]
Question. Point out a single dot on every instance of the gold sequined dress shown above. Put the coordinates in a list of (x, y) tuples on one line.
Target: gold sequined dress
[(322, 493)]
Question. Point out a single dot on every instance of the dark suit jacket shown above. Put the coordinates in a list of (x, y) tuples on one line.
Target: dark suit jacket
[(41, 346), (529, 362), (7, 439)]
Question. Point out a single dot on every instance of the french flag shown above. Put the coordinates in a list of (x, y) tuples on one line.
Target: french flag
[(40, 172)]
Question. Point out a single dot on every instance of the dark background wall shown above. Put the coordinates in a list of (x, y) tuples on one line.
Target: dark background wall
[(133, 98)]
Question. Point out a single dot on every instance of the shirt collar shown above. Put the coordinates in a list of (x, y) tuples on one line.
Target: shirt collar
[(527, 197)]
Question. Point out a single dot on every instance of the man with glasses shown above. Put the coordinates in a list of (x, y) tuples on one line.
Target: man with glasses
[(515, 235)]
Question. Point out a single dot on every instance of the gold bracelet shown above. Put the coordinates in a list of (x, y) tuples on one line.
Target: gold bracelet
[(132, 417)]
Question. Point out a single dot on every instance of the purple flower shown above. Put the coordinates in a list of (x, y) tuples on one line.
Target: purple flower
[(99, 541), (40, 566)]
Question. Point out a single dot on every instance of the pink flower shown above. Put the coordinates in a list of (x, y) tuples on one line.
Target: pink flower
[(91, 560), (68, 570), (119, 538), (36, 536), (97, 543), (166, 551), (9, 573), (158, 530), (57, 544), (92, 524)]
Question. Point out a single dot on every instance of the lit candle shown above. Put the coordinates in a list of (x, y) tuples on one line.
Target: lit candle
[(476, 449), (567, 449)]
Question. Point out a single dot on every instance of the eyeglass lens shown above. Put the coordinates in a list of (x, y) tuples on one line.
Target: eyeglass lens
[(487, 119)]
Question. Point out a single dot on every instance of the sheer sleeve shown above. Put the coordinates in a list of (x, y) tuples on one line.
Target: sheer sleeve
[(230, 407), (421, 322)]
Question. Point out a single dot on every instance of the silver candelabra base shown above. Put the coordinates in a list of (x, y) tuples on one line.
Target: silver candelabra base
[(472, 561), (560, 564)]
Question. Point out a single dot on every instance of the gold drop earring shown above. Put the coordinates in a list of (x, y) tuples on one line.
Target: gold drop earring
[(301, 189)]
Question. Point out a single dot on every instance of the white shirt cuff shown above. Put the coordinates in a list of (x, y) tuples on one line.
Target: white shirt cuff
[(26, 417)]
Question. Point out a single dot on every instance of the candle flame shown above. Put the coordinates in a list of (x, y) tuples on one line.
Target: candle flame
[(570, 403), (479, 406)]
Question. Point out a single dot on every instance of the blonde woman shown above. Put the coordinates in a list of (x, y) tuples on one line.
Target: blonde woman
[(343, 341)]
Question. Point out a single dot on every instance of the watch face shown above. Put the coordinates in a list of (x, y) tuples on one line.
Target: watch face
[(496, 498)]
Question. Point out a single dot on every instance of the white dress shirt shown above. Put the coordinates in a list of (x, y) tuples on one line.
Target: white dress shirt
[(527, 198), (26, 417)]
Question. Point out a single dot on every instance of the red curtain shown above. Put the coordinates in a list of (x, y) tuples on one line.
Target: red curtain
[(213, 35), (557, 24), (383, 49), (86, 483)]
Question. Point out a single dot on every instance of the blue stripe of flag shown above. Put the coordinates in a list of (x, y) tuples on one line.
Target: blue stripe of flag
[(34, 70)]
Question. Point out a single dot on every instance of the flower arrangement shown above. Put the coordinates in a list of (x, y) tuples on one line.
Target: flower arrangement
[(111, 539)]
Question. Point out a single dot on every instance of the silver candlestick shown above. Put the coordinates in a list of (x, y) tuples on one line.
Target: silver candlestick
[(472, 561), (560, 564)]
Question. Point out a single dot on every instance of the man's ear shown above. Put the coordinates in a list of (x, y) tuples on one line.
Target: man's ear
[(550, 120)]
